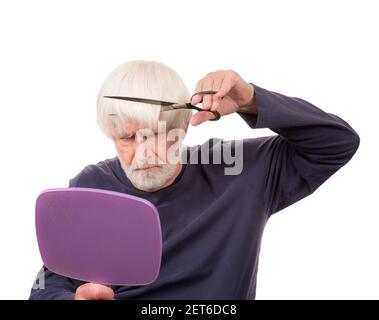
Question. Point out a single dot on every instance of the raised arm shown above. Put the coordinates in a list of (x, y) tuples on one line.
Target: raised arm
[(309, 147)]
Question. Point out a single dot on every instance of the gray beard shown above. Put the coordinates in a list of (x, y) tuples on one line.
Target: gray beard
[(146, 181)]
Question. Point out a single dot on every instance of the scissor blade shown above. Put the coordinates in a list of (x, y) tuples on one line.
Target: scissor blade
[(175, 106), (142, 100)]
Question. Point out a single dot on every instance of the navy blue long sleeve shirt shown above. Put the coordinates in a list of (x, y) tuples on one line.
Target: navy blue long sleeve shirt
[(212, 223)]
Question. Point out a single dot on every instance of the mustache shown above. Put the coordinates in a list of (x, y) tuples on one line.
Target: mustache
[(145, 165)]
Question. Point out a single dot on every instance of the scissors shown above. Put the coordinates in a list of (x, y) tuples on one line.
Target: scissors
[(167, 106)]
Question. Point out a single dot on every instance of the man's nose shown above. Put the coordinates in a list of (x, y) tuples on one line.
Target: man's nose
[(145, 151)]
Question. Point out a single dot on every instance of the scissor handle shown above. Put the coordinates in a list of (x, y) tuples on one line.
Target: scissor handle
[(215, 113)]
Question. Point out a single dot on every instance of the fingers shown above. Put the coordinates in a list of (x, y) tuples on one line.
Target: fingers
[(226, 86), (93, 291), (232, 92), (197, 98), (212, 81), (207, 98), (200, 117), (217, 84), (222, 81), (216, 102)]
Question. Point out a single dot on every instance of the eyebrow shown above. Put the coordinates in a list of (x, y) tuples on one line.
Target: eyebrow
[(125, 134)]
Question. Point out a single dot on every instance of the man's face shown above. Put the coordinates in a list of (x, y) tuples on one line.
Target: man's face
[(146, 155)]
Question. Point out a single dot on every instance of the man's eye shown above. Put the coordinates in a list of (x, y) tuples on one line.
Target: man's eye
[(132, 137), (149, 135)]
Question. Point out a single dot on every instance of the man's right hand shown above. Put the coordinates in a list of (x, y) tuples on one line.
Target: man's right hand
[(94, 291)]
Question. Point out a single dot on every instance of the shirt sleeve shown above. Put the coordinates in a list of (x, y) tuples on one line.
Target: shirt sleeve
[(51, 286), (309, 147)]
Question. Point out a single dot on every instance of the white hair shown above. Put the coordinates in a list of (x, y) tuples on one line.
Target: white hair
[(144, 79)]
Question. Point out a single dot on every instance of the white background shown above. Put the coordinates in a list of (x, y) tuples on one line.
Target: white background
[(56, 54)]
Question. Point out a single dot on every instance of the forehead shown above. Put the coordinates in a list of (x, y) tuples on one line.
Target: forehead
[(132, 126)]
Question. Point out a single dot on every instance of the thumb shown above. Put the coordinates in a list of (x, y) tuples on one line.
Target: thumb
[(94, 291)]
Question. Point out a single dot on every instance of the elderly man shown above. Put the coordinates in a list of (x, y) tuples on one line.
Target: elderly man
[(212, 220)]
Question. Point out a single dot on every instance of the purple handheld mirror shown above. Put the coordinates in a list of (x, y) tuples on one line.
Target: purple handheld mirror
[(99, 236)]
